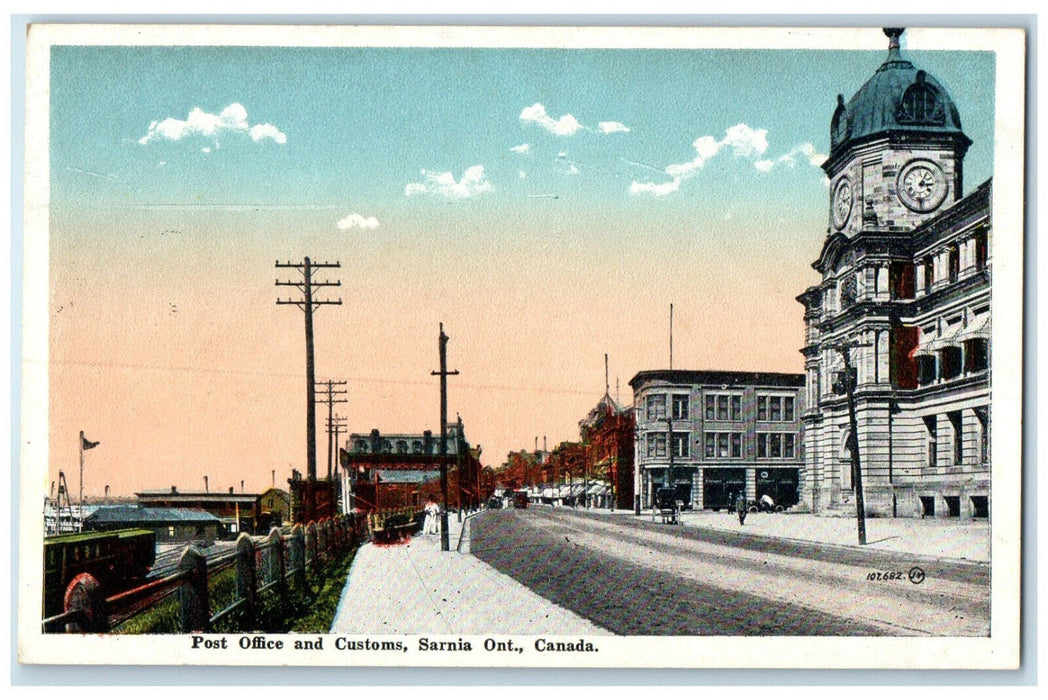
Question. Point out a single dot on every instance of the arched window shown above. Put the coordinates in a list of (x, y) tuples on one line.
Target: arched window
[(361, 445), (845, 456), (402, 447), (416, 447), (921, 104)]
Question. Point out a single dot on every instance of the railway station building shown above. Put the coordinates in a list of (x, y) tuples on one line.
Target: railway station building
[(714, 433), (395, 470), (904, 294)]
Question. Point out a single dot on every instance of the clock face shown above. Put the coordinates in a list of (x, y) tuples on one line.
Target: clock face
[(842, 202), (922, 186)]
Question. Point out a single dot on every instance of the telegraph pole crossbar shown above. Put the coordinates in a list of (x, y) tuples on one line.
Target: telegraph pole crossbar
[(331, 399), (307, 303)]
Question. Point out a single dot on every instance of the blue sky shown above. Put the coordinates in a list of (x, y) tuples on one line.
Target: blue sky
[(546, 205), (362, 124)]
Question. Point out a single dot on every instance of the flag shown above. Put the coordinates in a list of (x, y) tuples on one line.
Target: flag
[(87, 444)]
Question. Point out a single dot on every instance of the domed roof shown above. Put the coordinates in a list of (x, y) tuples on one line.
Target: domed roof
[(898, 97)]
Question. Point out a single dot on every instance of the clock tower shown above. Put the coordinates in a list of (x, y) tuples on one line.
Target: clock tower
[(898, 324), (896, 150)]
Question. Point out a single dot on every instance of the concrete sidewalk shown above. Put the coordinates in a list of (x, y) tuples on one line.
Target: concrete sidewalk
[(962, 540), (415, 588)]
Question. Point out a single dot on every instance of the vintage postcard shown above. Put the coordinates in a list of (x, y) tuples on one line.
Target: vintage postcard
[(619, 347)]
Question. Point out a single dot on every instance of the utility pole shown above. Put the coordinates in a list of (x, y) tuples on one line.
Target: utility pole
[(849, 381), (669, 446), (331, 399), (671, 335), (445, 542), (336, 425), (307, 304)]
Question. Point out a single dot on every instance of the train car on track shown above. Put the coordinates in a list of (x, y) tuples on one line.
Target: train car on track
[(118, 559)]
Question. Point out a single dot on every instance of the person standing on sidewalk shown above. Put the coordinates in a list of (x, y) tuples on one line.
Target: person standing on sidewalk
[(740, 507)]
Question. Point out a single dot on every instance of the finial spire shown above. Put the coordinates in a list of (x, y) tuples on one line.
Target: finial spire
[(893, 34)]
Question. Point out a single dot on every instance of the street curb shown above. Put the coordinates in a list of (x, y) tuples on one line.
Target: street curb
[(926, 559)]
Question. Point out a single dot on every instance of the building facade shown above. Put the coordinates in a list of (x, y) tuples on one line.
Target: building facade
[(238, 512), (607, 436), (904, 300), (384, 471), (715, 433)]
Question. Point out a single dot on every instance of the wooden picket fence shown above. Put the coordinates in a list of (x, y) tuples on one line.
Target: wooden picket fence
[(282, 563)]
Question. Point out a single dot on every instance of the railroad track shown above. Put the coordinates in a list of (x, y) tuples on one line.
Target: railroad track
[(167, 557)]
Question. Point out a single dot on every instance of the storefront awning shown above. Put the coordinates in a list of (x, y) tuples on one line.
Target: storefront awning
[(979, 328)]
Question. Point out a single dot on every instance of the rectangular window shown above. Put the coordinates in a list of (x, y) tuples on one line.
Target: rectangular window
[(656, 445), (958, 437), (775, 408), (787, 408), (724, 407), (789, 447), (775, 445), (982, 417), (762, 445), (656, 408), (723, 445), (680, 407), (680, 444), (762, 408), (929, 426)]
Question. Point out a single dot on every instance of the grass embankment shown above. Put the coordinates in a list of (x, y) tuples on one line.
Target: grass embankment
[(301, 611)]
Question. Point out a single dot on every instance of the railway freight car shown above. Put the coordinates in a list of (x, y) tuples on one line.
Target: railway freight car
[(118, 559)]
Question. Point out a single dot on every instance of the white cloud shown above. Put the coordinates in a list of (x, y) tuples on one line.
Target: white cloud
[(566, 125), (355, 220), (572, 170), (613, 127), (473, 182), (523, 174), (744, 142), (655, 189), (805, 151), (522, 148), (232, 119)]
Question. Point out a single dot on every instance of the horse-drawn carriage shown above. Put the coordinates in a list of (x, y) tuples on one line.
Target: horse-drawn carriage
[(666, 506)]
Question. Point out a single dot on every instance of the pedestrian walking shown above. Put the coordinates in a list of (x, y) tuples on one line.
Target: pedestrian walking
[(740, 507), (430, 526)]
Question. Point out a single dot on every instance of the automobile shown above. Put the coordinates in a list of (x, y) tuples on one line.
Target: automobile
[(765, 504), (520, 499), (494, 503), (665, 505)]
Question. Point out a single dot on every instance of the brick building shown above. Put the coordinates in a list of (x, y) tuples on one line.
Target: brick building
[(394, 470), (905, 291), (714, 433), (607, 439)]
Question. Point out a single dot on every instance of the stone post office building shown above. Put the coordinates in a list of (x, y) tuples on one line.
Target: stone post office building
[(905, 291)]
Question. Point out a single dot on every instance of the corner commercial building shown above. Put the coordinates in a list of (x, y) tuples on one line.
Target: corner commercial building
[(719, 433)]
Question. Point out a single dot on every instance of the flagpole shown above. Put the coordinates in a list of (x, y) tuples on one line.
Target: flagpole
[(81, 514)]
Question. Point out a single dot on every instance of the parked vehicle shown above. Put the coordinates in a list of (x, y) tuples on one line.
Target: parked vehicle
[(666, 505), (520, 499)]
